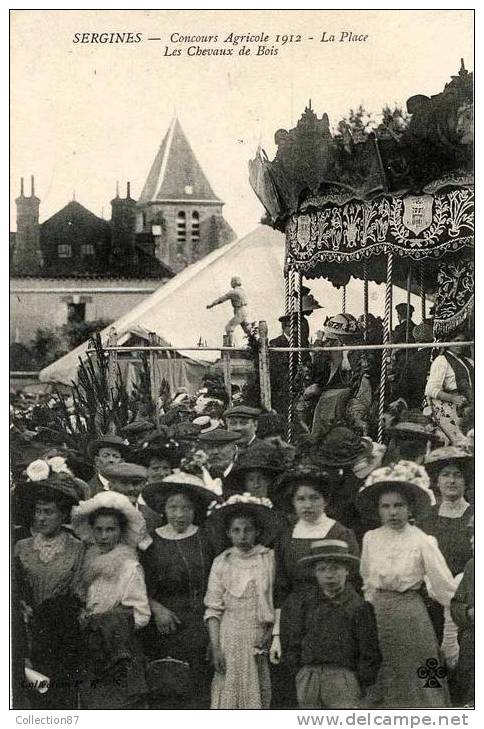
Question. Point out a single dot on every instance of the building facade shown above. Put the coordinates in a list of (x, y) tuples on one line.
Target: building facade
[(77, 266)]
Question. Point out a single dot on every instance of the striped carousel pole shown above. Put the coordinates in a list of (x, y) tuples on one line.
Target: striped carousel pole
[(422, 292), (298, 275), (292, 341), (386, 340), (365, 297), (343, 300)]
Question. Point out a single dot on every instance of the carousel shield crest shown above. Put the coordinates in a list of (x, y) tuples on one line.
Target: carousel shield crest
[(417, 212), (303, 234)]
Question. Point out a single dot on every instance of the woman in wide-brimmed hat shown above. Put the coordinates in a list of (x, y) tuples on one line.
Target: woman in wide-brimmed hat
[(306, 490), (396, 560), (255, 471), (239, 605), (48, 565), (113, 590), (340, 378), (348, 458), (177, 566), (450, 470)]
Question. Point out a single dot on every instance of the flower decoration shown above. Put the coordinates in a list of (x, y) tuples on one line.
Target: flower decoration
[(404, 471), (38, 470), (244, 498), (43, 468)]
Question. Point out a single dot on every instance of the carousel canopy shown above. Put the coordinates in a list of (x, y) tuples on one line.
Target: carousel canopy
[(346, 203)]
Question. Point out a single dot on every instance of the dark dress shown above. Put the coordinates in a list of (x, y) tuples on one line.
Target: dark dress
[(460, 604), (52, 629), (290, 582), (176, 575), (452, 535)]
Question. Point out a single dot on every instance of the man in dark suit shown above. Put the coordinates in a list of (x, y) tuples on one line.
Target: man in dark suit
[(404, 313), (105, 451), (279, 369)]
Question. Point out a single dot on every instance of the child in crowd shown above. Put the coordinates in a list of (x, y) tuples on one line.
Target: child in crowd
[(331, 635), (239, 608)]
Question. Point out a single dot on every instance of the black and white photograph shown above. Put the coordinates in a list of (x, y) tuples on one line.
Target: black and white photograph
[(241, 256)]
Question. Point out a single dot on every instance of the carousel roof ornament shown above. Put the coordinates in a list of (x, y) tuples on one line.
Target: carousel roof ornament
[(313, 168)]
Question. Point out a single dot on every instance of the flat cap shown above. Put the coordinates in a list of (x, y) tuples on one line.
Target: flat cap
[(126, 472), (242, 411), (219, 435)]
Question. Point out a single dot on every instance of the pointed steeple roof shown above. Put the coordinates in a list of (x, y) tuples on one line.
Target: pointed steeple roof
[(175, 173)]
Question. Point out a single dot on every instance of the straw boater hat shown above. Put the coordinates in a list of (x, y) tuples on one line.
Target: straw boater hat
[(107, 441), (269, 521), (441, 457), (136, 531), (331, 550), (261, 456), (405, 477), (156, 493)]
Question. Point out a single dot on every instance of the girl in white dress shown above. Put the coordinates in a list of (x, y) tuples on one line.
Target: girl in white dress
[(397, 558), (239, 608)]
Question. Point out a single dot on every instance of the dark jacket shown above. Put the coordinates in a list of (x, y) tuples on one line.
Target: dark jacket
[(95, 485), (400, 333), (338, 631)]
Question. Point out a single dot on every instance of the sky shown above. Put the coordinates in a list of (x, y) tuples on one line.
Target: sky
[(86, 115)]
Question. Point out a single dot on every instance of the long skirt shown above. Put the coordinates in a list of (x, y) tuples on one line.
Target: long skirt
[(246, 682), (412, 674)]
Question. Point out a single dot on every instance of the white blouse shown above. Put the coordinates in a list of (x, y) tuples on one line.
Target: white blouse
[(313, 530), (441, 377), (116, 584), (401, 560)]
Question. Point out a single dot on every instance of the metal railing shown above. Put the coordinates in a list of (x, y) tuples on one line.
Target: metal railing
[(112, 349)]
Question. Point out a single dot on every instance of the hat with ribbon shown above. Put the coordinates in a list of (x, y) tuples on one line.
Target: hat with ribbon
[(331, 550), (405, 477)]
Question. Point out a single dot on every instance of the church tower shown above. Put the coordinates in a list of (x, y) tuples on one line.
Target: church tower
[(27, 256), (178, 207)]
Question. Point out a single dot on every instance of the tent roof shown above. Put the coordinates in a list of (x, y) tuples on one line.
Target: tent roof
[(177, 310)]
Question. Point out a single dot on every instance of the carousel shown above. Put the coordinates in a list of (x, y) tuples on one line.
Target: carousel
[(395, 206)]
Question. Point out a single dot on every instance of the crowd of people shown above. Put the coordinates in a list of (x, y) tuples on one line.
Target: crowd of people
[(197, 559)]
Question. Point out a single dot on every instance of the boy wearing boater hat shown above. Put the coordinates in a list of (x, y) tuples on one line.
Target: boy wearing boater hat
[(329, 633)]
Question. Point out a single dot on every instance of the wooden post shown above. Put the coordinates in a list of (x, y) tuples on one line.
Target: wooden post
[(112, 365), (227, 342), (264, 368), (154, 383)]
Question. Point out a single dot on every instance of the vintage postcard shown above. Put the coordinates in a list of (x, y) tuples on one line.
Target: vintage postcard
[(242, 364)]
